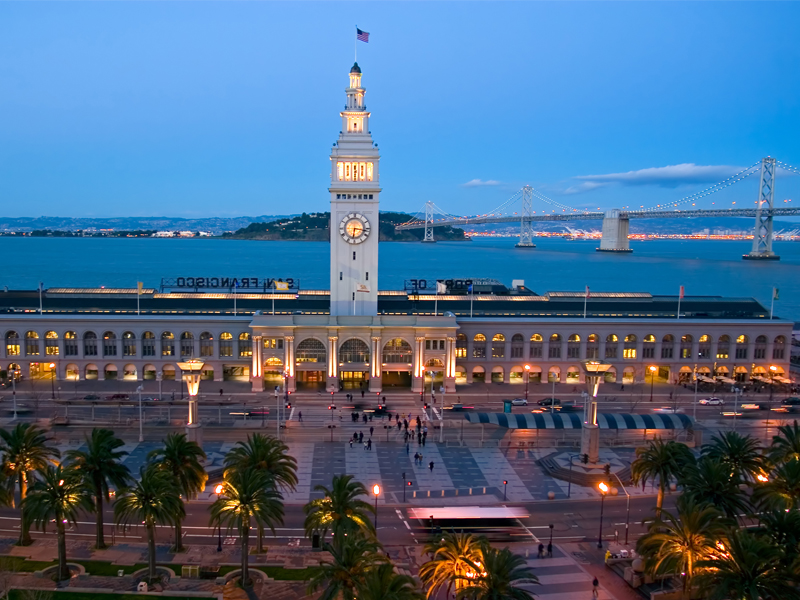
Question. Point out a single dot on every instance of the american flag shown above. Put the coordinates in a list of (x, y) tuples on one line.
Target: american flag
[(362, 35)]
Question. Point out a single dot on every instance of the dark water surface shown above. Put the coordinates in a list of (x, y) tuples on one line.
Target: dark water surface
[(704, 267)]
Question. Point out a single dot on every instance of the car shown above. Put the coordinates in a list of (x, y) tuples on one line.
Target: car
[(458, 407), (549, 402), (91, 397), (667, 410), (793, 401), (713, 401), (118, 397), (519, 402)]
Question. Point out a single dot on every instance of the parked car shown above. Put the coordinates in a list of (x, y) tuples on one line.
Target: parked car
[(794, 401), (519, 402), (712, 401), (118, 397), (91, 397), (549, 402)]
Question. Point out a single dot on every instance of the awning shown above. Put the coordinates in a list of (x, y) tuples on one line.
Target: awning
[(575, 421)]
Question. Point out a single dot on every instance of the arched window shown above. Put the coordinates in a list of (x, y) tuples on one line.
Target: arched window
[(667, 346), (206, 344), (704, 349), (778, 349), (741, 346), (225, 344), (574, 346), (12, 343), (245, 345), (109, 343), (32, 343), (397, 351), (187, 345), (611, 345), (90, 343), (649, 346), (51, 343), (760, 351), (311, 350), (71, 343), (354, 351), (128, 344), (498, 346), (686, 346), (167, 344), (724, 346), (479, 346), (461, 346), (517, 346), (148, 344), (536, 345), (629, 350), (592, 346), (555, 346)]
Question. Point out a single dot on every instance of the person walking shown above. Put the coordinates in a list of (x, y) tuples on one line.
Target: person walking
[(430, 466), (220, 392), (550, 550), (416, 457), (369, 444), (408, 449), (360, 436), (541, 551), (595, 583), (300, 416), (371, 429), (362, 393), (351, 440)]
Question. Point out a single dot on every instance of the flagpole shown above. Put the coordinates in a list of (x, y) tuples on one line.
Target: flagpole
[(138, 293), (772, 306), (355, 50), (679, 306), (436, 305), (585, 300)]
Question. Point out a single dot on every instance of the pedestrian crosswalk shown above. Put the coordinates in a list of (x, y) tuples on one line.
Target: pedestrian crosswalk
[(561, 577)]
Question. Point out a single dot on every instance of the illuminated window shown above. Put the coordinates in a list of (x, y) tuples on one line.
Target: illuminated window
[(340, 170), (555, 346), (779, 348), (369, 172), (187, 345), (273, 343), (32, 343), (128, 344), (311, 350), (741, 346), (649, 346), (109, 343), (225, 344), (723, 346), (629, 353), (148, 344), (347, 171), (51, 343), (362, 167), (12, 343), (704, 349), (479, 346), (71, 344), (498, 346), (592, 346), (354, 351), (397, 351), (245, 347), (206, 344), (536, 345), (167, 344)]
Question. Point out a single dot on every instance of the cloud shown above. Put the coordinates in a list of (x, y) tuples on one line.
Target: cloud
[(480, 182), (670, 177)]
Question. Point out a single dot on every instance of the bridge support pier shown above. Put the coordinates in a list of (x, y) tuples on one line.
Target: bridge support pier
[(428, 239), (762, 236), (525, 228), (615, 233)]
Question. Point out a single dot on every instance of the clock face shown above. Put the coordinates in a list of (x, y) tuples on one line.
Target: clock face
[(354, 228)]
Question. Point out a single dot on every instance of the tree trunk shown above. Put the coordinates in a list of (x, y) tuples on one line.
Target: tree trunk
[(151, 551), (245, 534), (100, 541), (24, 525), (260, 539), (660, 500), (63, 570), (179, 536)]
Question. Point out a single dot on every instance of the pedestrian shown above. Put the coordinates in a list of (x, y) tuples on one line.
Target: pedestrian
[(430, 466), (419, 439), (397, 419), (550, 550), (365, 445), (220, 392), (408, 449), (399, 425), (423, 441), (595, 583), (369, 444), (360, 436), (351, 440), (416, 457), (541, 551), (362, 393), (300, 416), (371, 429), (623, 388)]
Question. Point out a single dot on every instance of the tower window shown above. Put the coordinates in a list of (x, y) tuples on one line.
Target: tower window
[(369, 171), (361, 170), (340, 170), (367, 275), (354, 255), (340, 275)]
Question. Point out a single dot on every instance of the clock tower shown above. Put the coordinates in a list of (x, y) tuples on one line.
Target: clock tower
[(354, 223)]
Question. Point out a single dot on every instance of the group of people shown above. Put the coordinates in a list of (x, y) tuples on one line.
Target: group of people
[(358, 438)]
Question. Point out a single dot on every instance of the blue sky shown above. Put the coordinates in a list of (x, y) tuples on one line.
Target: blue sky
[(195, 109)]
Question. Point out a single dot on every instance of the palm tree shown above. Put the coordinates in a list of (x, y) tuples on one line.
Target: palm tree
[(382, 583), (450, 560), (181, 459), (498, 575), (58, 496), (741, 453), (785, 445), (675, 543), (100, 465), (264, 453), (339, 510), (782, 491), (660, 461), (153, 500), (710, 482), (247, 498), (746, 567), (351, 561), (783, 528), (25, 449)]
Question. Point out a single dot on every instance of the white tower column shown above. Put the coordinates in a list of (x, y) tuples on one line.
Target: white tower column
[(333, 363)]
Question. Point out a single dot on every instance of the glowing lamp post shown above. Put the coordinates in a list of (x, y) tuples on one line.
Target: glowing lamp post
[(218, 492), (653, 370), (52, 381), (191, 375), (594, 371), (603, 491), (376, 490), (527, 379)]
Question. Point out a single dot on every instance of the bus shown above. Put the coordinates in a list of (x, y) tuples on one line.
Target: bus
[(493, 522)]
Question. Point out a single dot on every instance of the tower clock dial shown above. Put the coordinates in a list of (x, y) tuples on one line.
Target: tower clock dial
[(354, 228)]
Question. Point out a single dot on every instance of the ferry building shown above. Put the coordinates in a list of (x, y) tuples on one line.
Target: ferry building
[(355, 335)]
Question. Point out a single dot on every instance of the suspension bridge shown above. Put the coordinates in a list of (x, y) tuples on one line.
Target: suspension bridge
[(616, 221)]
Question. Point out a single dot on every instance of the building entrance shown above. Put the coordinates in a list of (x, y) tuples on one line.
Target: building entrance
[(353, 380), (310, 380), (396, 379)]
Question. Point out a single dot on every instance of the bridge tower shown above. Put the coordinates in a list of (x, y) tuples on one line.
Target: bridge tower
[(762, 236), (525, 227), (615, 232), (428, 239)]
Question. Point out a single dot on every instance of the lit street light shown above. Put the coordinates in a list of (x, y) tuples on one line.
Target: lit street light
[(603, 491), (52, 381), (527, 379), (376, 489), (218, 492), (653, 370)]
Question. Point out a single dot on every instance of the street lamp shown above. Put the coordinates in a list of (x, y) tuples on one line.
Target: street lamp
[(376, 489), (505, 485), (653, 370), (191, 375), (52, 381), (14, 375), (603, 491), (551, 535), (218, 492), (141, 431), (527, 379), (594, 371), (772, 369)]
